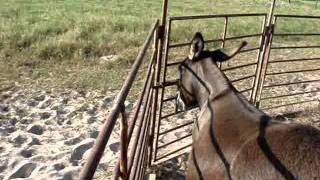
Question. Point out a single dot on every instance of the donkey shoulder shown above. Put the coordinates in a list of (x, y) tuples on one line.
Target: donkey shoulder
[(281, 149)]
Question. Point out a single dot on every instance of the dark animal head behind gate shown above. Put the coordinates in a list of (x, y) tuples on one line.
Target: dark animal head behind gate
[(188, 69)]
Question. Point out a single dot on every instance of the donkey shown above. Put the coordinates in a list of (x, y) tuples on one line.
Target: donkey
[(232, 139)]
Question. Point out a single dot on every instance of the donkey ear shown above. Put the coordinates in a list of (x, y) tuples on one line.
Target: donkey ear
[(197, 45), (221, 56)]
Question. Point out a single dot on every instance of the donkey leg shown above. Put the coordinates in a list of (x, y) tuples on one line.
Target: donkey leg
[(192, 173)]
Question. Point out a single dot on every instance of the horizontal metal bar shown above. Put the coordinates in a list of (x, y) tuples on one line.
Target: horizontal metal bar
[(238, 67), (288, 95), (297, 16), (296, 34), (243, 36), (172, 152), (167, 83), (176, 140), (294, 60), (175, 63), (179, 18), (170, 98), (172, 157), (171, 114), (290, 104), (245, 90), (175, 128), (243, 78), (176, 45), (249, 49), (288, 72), (295, 47), (291, 83)]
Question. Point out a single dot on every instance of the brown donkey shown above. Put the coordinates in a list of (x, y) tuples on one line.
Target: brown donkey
[(234, 140)]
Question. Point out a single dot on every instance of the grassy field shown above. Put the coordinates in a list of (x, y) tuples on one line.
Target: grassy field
[(59, 43)]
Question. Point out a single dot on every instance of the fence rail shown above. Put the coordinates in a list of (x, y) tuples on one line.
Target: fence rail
[(104, 135)]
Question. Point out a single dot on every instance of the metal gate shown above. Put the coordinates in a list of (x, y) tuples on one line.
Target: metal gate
[(168, 112), (144, 136), (281, 55)]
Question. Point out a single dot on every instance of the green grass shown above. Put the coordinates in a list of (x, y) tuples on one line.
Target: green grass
[(59, 43)]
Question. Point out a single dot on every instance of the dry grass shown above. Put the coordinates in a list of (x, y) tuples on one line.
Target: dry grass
[(64, 40)]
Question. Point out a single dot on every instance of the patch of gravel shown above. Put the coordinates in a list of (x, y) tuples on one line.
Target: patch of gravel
[(49, 134)]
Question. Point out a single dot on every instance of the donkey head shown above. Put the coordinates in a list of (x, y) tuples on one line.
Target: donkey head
[(188, 83)]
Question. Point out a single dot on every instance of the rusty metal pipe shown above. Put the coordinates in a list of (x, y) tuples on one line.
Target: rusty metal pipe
[(175, 128), (177, 150), (133, 162), (290, 83), (297, 16), (147, 87), (290, 104), (238, 67), (179, 18), (289, 72), (89, 168), (294, 60), (177, 45), (141, 127), (176, 140), (288, 95), (166, 50), (143, 147), (123, 144)]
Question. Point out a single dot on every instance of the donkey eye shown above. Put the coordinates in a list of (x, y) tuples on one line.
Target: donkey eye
[(181, 68)]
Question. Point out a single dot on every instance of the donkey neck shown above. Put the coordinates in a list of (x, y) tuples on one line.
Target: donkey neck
[(211, 82), (220, 95)]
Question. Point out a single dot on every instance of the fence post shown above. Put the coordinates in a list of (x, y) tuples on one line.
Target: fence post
[(155, 102), (268, 32), (123, 144), (160, 36), (225, 29)]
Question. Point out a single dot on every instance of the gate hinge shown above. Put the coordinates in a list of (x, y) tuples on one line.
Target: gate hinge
[(150, 140), (269, 30), (166, 83), (161, 32), (157, 85)]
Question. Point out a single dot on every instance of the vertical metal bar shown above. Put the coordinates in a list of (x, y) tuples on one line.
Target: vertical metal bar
[(157, 72), (271, 12), (266, 58), (141, 127), (163, 89), (143, 167), (161, 36), (224, 36), (133, 166), (265, 54), (259, 61), (142, 152), (161, 41), (123, 144)]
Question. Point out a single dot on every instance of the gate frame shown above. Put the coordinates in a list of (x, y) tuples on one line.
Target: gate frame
[(256, 88)]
